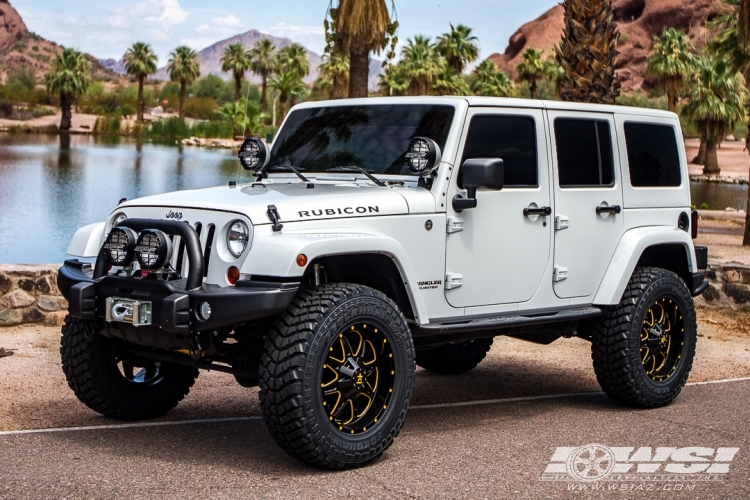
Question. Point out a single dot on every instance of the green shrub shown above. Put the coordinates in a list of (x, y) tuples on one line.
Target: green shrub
[(201, 108), (108, 125)]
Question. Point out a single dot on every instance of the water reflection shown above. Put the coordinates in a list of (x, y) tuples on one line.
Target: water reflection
[(52, 185)]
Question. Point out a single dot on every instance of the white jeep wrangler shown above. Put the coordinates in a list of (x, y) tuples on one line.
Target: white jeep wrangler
[(381, 234)]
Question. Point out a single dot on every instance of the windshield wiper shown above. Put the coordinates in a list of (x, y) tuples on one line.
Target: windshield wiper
[(354, 168), (281, 168)]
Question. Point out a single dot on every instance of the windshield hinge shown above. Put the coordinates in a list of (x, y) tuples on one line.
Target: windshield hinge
[(455, 225), (273, 215)]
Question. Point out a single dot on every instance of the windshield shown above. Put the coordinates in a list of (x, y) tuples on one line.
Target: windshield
[(374, 138)]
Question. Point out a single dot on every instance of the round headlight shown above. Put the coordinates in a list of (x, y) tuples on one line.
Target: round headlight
[(253, 154), (153, 249), (238, 236), (118, 219), (120, 244), (423, 156)]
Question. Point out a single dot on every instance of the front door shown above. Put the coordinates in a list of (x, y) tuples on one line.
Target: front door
[(500, 256), (588, 199)]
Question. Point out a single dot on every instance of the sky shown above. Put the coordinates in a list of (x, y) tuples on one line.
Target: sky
[(105, 28)]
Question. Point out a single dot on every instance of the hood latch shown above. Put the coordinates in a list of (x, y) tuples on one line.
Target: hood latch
[(273, 215)]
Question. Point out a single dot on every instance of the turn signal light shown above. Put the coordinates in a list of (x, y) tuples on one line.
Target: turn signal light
[(302, 260), (233, 275)]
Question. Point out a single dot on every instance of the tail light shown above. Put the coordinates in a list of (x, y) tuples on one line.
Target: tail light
[(694, 224)]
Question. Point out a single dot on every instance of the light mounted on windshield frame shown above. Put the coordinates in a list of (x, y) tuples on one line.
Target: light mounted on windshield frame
[(423, 156), (254, 154)]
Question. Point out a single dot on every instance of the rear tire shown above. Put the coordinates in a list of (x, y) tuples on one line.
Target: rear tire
[(336, 376), (454, 359), (114, 384), (643, 349)]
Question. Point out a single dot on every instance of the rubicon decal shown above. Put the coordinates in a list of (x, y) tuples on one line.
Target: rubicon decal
[(339, 211)]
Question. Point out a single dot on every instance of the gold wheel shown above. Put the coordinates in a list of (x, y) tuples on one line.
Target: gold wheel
[(357, 378), (662, 339)]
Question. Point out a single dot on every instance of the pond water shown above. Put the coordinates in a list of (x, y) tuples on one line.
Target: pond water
[(52, 185)]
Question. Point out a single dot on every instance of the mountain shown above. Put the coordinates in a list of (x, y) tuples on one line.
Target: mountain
[(21, 48), (639, 21), (210, 58)]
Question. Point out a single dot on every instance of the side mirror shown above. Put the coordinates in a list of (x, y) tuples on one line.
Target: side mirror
[(479, 173)]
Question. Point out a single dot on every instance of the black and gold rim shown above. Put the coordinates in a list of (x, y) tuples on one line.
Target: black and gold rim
[(357, 378), (662, 339)]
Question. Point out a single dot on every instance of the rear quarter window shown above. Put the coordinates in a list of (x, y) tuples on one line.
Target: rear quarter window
[(653, 157)]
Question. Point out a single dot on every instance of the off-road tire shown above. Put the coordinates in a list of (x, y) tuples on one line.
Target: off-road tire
[(90, 366), (615, 347), (291, 373), (454, 359)]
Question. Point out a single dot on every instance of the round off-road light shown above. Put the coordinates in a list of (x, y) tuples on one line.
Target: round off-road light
[(204, 311), (153, 249), (423, 156), (120, 244), (238, 236), (254, 154)]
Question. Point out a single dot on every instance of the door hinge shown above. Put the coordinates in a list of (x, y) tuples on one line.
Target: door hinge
[(455, 225), (562, 222), (560, 274), (453, 280)]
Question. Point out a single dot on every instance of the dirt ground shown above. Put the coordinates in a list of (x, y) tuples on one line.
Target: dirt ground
[(734, 161), (724, 240), (34, 393)]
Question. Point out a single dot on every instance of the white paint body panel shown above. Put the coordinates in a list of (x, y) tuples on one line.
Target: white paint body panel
[(87, 241)]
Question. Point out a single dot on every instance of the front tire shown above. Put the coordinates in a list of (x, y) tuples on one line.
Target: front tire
[(643, 349), (337, 375), (110, 382), (454, 359)]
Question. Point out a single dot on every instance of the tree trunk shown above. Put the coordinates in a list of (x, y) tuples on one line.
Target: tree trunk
[(237, 87), (746, 239), (359, 74), (671, 102), (282, 106), (183, 88), (340, 86), (67, 116), (532, 89), (711, 166), (141, 104), (263, 103), (701, 158)]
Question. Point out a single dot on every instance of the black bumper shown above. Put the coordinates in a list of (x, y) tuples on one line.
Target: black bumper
[(174, 307)]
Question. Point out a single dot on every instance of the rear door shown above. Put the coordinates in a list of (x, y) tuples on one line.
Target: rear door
[(588, 199)]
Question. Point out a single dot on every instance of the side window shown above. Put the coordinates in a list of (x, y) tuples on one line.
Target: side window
[(584, 153), (512, 138), (652, 154)]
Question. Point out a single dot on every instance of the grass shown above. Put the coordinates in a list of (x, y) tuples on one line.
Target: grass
[(171, 128)]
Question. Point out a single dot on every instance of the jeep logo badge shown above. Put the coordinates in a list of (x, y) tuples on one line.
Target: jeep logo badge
[(174, 215)]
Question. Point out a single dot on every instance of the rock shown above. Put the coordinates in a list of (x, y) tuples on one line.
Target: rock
[(711, 294), (50, 303), (26, 284), (10, 317), (740, 294), (732, 276), (16, 299), (45, 284), (5, 284), (12, 27), (32, 315), (730, 209), (55, 318), (730, 138)]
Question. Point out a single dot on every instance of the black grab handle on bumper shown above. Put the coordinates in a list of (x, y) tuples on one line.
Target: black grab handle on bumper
[(181, 229)]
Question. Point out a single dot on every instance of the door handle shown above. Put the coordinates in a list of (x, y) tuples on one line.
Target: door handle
[(614, 209), (537, 211)]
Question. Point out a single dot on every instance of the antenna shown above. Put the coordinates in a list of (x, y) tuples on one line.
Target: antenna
[(247, 103)]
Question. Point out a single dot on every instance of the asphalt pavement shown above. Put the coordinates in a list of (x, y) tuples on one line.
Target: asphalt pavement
[(505, 448)]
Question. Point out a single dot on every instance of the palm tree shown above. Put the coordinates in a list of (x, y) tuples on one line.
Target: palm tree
[(448, 82), (289, 85), (263, 63), (672, 61), (588, 52), (717, 103), (69, 77), (394, 81), (183, 68), (531, 69), (555, 73), (734, 43), (140, 61), (245, 116), (488, 80), (334, 72), (420, 64), (236, 61), (293, 59), (361, 28), (459, 47)]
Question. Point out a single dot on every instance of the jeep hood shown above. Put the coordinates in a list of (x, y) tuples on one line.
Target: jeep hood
[(296, 202)]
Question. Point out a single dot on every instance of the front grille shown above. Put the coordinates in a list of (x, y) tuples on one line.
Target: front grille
[(179, 260)]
